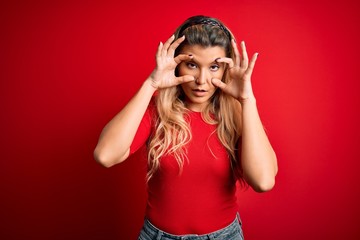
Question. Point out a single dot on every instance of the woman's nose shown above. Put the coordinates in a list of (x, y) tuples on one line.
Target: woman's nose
[(202, 78)]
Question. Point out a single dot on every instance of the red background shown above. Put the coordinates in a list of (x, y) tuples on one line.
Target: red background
[(67, 67)]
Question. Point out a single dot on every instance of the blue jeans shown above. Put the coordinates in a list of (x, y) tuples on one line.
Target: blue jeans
[(231, 232)]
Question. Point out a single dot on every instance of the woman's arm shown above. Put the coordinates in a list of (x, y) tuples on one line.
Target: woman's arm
[(116, 138), (258, 160)]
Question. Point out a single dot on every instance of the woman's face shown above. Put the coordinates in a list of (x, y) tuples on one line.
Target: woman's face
[(203, 67)]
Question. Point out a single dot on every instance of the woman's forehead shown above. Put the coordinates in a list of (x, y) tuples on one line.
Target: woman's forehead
[(204, 54)]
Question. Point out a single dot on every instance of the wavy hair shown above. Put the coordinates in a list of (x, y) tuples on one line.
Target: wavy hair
[(172, 132)]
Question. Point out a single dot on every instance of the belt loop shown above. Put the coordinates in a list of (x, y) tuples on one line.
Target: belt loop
[(159, 235), (211, 237)]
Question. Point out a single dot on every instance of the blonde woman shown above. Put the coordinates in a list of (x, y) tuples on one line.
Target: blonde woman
[(203, 133)]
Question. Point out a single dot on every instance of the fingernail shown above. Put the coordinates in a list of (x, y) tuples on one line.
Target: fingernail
[(216, 59)]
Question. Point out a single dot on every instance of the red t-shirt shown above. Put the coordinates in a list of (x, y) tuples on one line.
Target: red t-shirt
[(202, 198)]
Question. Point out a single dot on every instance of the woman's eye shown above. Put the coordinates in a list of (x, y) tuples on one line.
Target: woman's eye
[(191, 65), (214, 67)]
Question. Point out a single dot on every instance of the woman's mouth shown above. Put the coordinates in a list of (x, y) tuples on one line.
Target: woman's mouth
[(199, 92)]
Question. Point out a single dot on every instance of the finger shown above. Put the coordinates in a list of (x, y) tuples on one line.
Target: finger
[(245, 58), (229, 61), (167, 44), (251, 66), (218, 83), (175, 44), (158, 52), (236, 52), (182, 57), (184, 79)]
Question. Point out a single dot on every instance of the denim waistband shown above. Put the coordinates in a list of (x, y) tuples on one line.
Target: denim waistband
[(155, 233)]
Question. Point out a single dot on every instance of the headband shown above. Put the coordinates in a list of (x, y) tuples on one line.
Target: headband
[(205, 21)]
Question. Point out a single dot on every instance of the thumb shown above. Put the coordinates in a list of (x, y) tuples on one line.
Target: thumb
[(218, 83), (185, 78)]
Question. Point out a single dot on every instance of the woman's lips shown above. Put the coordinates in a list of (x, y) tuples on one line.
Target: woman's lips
[(199, 92)]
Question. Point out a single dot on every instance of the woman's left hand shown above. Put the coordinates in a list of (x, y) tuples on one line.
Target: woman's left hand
[(240, 72)]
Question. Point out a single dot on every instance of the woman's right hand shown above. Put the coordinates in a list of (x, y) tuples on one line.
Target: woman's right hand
[(163, 75)]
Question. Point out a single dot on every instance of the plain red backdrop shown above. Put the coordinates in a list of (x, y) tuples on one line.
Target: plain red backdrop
[(67, 67)]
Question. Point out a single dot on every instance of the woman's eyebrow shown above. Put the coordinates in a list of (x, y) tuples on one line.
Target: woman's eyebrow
[(195, 61)]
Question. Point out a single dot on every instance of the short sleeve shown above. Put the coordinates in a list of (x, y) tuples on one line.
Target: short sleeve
[(143, 131)]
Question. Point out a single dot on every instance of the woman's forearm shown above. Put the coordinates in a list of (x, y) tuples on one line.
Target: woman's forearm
[(114, 143), (258, 158)]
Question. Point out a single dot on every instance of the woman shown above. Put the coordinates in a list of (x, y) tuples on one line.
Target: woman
[(203, 133)]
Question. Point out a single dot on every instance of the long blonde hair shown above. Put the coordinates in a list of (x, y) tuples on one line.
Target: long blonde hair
[(172, 132)]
